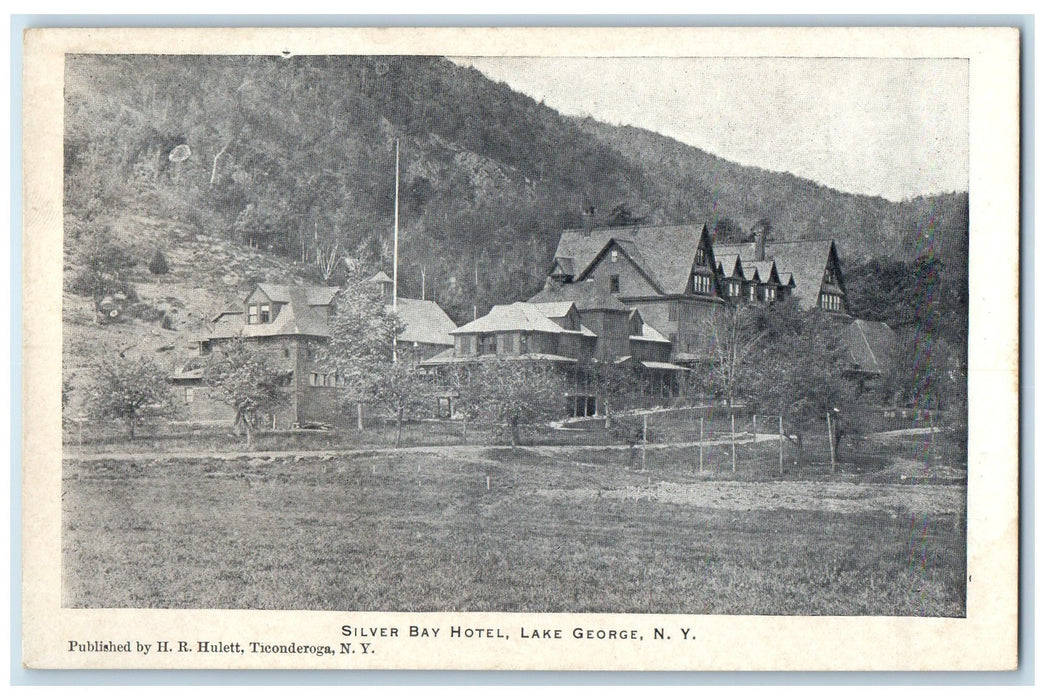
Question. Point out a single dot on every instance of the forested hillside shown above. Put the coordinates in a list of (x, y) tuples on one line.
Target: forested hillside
[(295, 156)]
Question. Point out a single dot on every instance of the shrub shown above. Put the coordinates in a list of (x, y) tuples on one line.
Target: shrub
[(158, 263)]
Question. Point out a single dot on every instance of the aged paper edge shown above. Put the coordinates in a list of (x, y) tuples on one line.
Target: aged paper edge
[(984, 640)]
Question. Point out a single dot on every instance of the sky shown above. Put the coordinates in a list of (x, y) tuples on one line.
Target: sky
[(895, 128)]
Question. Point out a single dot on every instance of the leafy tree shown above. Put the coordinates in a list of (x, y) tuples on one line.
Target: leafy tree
[(401, 388), (104, 264), (614, 383), (244, 378), (128, 390), (929, 310), (796, 368), (514, 393), (361, 352), (726, 230)]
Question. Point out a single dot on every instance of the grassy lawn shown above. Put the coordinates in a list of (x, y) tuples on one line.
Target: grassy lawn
[(581, 532)]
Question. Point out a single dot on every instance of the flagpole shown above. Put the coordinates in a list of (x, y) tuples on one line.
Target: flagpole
[(395, 250)]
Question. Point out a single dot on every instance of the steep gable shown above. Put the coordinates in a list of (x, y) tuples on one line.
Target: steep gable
[(663, 253), (618, 252)]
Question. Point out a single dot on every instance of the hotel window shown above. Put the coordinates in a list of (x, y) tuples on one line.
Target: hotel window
[(614, 284), (524, 344), (265, 316), (700, 256), (829, 276), (190, 394), (313, 379), (752, 291), (329, 380), (702, 284), (252, 314), (734, 289), (770, 293), (830, 302), (613, 256)]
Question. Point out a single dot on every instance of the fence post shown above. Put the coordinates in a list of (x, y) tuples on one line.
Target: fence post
[(733, 437), (831, 442), (644, 427), (754, 423), (701, 443), (359, 416), (932, 438), (781, 418)]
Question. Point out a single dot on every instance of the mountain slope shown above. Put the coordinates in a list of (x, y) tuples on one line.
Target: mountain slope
[(796, 208), (296, 157)]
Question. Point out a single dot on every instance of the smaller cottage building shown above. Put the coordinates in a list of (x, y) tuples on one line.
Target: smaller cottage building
[(289, 324)]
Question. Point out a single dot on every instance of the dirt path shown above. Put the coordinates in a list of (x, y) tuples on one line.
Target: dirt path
[(444, 450), (834, 497)]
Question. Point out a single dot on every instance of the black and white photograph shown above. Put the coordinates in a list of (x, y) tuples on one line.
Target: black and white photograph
[(411, 332)]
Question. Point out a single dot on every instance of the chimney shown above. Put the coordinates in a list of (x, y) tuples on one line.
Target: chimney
[(760, 242), (588, 217)]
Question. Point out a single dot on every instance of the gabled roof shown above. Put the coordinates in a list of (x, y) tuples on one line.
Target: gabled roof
[(520, 316), (764, 269), (230, 310), (380, 277), (871, 345), (664, 253), (585, 295), (565, 265), (295, 317), (727, 264), (302, 311), (320, 296), (424, 321), (650, 334), (804, 260), (553, 309), (275, 292)]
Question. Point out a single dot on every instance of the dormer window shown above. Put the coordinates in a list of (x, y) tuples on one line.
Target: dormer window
[(770, 293), (829, 276), (265, 315), (753, 292), (252, 314), (701, 256), (734, 289)]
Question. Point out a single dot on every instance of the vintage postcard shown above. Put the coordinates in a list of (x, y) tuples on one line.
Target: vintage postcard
[(592, 349)]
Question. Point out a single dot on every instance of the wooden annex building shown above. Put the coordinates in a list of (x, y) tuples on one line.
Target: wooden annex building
[(290, 323)]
